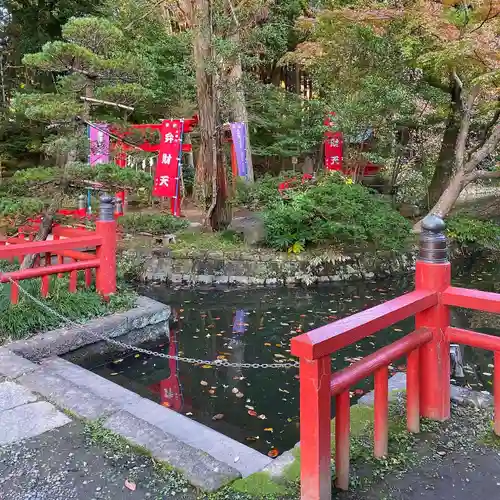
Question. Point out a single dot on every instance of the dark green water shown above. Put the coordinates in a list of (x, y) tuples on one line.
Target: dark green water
[(256, 326)]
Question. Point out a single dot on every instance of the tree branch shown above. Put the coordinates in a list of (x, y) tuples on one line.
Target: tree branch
[(482, 174), (482, 153), (107, 103), (463, 134)]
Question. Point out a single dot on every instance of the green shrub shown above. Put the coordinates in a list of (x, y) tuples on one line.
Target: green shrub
[(156, 224), (334, 213), (467, 231)]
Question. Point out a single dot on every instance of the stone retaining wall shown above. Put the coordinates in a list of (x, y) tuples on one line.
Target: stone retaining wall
[(144, 321), (267, 268)]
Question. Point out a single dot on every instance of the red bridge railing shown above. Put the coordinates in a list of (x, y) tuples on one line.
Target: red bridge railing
[(427, 350), (67, 245)]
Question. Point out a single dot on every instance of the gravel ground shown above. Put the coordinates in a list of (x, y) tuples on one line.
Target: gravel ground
[(67, 463), (459, 460)]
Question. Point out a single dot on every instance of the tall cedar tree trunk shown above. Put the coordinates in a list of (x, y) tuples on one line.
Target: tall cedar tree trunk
[(467, 165), (239, 108), (210, 179), (446, 160)]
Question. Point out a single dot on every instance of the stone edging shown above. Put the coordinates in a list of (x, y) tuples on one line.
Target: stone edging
[(266, 268), (207, 459), (146, 313)]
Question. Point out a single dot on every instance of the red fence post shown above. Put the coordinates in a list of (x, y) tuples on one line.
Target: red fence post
[(433, 272), (106, 228), (315, 429)]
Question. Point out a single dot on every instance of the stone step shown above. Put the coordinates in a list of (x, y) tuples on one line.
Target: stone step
[(224, 449)]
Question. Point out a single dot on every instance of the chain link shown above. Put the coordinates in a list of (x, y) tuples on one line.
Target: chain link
[(193, 361)]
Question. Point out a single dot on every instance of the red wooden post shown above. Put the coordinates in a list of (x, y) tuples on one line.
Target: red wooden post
[(381, 412), (106, 252), (413, 392), (433, 272), (342, 441), (46, 279), (14, 292), (496, 392), (88, 277), (315, 430), (73, 279)]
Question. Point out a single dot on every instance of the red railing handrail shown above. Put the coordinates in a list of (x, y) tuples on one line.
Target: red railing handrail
[(38, 272), (327, 339), (384, 356), (473, 339), (471, 299), (35, 247)]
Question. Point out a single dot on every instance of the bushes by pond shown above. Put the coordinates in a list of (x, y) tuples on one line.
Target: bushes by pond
[(333, 211), (155, 224)]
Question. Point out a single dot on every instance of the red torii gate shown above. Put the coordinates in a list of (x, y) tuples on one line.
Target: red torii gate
[(120, 146)]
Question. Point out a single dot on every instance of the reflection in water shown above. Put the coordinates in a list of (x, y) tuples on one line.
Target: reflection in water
[(256, 406)]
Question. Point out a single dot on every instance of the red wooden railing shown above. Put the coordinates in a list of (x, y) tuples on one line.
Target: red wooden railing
[(428, 365), (67, 244)]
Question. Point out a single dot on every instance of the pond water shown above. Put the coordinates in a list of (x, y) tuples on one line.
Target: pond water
[(260, 407)]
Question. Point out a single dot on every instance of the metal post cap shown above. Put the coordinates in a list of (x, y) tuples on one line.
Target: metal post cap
[(106, 208), (433, 223), (433, 242)]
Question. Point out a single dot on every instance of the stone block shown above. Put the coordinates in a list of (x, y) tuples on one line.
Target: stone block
[(277, 467), (67, 395), (199, 469), (29, 420), (12, 395), (204, 279), (239, 280), (147, 312), (13, 366), (221, 280), (100, 386), (182, 266), (465, 396), (176, 278), (271, 281), (243, 458), (396, 383)]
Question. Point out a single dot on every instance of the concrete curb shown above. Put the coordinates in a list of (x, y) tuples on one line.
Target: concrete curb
[(147, 312)]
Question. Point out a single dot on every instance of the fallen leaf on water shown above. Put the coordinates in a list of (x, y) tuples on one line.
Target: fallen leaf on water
[(206, 366), (130, 485), (268, 429), (272, 453), (249, 407), (267, 344), (117, 361), (204, 382), (252, 413), (398, 330), (211, 391), (188, 414), (235, 390), (239, 394), (166, 404), (262, 417), (251, 439), (114, 373), (219, 416), (137, 356), (279, 356)]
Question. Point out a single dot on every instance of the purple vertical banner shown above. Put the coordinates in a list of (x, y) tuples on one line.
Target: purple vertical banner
[(239, 325), (238, 133), (99, 143)]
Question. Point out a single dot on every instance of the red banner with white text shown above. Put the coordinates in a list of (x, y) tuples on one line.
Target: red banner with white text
[(333, 145), (167, 167), (333, 150)]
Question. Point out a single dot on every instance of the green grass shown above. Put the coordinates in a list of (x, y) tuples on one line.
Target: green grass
[(26, 318), (224, 241)]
